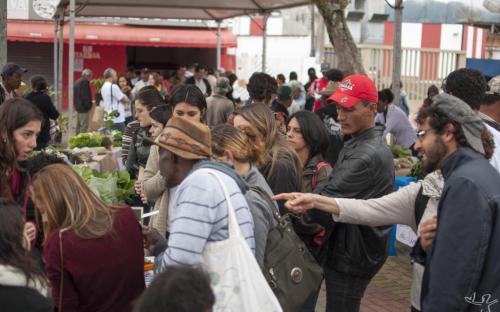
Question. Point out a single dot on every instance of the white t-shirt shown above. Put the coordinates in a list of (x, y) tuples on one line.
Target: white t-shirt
[(495, 159), (201, 85), (112, 102)]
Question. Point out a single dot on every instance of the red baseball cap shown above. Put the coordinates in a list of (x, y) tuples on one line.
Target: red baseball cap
[(353, 89)]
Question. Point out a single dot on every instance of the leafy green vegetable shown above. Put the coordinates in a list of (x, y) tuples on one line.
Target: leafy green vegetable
[(112, 188), (418, 171), (86, 173), (90, 139), (399, 152), (106, 188), (117, 138)]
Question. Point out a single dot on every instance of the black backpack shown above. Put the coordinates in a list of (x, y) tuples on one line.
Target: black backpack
[(420, 205)]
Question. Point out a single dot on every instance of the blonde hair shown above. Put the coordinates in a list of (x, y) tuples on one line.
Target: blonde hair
[(245, 144), (262, 120), (70, 204)]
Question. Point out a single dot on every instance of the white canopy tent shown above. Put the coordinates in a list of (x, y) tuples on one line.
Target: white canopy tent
[(216, 10), (185, 9)]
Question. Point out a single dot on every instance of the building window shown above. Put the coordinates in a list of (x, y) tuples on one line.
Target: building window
[(359, 5)]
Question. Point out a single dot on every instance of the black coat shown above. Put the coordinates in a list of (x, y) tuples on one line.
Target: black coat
[(138, 152), (463, 265), (17, 299), (45, 105), (191, 80), (364, 169), (83, 95)]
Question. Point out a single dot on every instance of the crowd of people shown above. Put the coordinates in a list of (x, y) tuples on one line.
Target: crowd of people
[(216, 164)]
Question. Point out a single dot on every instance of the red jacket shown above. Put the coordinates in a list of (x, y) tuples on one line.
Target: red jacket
[(103, 274), (316, 87)]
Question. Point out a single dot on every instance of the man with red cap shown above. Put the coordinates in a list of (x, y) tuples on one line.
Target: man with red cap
[(364, 169)]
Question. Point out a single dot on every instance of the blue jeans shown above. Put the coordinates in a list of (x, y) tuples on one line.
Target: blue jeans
[(344, 291)]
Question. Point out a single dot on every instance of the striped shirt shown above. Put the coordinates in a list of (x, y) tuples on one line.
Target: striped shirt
[(131, 128), (200, 215)]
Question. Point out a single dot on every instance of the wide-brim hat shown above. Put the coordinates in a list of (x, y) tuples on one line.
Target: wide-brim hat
[(186, 139)]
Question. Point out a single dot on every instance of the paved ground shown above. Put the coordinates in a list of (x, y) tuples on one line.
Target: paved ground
[(389, 290)]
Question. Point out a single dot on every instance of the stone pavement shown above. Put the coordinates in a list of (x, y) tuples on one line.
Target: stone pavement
[(389, 291)]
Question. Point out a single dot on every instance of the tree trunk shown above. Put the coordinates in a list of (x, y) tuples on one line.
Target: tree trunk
[(349, 58), (3, 32)]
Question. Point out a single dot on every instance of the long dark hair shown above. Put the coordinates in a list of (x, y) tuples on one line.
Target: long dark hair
[(12, 252), (14, 114), (313, 131)]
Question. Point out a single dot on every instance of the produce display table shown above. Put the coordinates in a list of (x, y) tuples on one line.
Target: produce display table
[(108, 162)]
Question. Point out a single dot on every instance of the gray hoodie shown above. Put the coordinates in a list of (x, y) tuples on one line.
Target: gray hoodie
[(261, 212)]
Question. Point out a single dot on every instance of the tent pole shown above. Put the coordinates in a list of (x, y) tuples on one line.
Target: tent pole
[(3, 33), (56, 63), (71, 61), (264, 42), (219, 44), (61, 59)]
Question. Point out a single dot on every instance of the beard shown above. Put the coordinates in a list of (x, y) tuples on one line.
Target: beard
[(434, 155)]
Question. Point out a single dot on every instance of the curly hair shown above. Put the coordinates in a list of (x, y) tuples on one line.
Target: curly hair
[(438, 119), (261, 87), (42, 160), (469, 85)]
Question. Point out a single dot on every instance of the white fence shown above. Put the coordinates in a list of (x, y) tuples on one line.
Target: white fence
[(420, 68)]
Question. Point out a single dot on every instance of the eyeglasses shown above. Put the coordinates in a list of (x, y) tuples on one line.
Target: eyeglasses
[(421, 133)]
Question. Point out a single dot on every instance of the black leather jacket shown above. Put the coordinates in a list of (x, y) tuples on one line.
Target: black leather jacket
[(365, 169), (138, 152)]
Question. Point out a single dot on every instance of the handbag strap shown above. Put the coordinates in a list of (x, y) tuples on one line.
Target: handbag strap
[(232, 223), (320, 165), (268, 200), (61, 282)]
